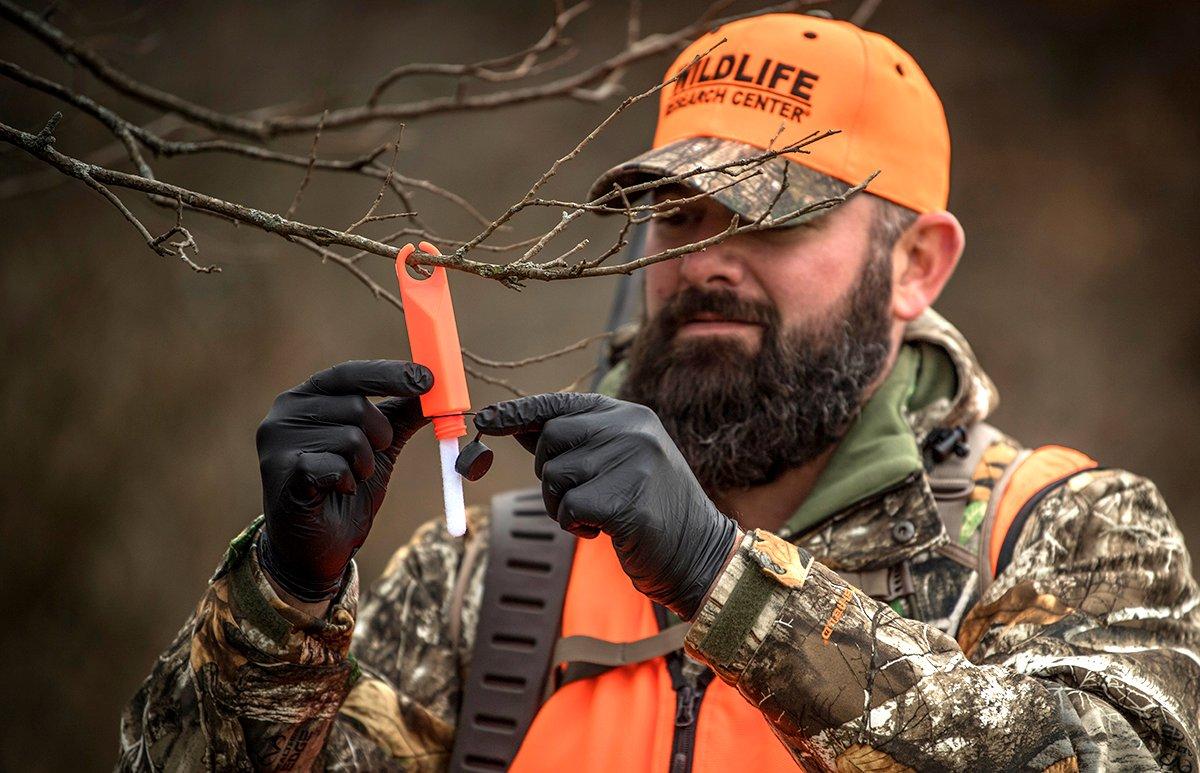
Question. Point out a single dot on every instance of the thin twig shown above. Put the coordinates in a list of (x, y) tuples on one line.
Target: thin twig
[(157, 243), (655, 207), (621, 241), (633, 24), (488, 70), (387, 181), (510, 364), (783, 185), (429, 236), (554, 167), (864, 12), (494, 380), (578, 382), (210, 204), (312, 160)]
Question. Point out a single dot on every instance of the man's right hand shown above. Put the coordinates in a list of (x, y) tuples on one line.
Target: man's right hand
[(326, 454)]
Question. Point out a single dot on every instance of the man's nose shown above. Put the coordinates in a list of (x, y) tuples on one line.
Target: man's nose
[(715, 267)]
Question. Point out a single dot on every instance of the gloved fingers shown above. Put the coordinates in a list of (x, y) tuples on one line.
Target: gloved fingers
[(560, 436), (317, 471), (376, 378), (581, 510), (562, 474), (530, 414), (528, 440), (585, 532), (353, 410), (376, 426), (405, 416), (352, 444)]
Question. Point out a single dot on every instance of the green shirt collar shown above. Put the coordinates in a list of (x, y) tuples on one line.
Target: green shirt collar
[(876, 453)]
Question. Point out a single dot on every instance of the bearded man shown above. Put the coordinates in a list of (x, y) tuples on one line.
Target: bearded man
[(795, 492)]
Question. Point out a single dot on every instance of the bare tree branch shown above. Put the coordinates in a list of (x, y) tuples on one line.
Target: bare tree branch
[(127, 131), (512, 274), (376, 289), (266, 221), (487, 70), (575, 86), (159, 244), (142, 144)]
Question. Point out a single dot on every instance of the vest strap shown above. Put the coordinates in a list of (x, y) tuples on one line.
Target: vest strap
[(953, 479), (584, 657), (588, 649), (528, 565)]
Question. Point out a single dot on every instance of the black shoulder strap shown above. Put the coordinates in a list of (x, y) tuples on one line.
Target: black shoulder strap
[(529, 562)]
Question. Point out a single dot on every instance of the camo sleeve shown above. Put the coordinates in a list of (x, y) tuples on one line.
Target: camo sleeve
[(1082, 656), (252, 683)]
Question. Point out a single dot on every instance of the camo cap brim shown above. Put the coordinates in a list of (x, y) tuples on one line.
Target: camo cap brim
[(748, 198)]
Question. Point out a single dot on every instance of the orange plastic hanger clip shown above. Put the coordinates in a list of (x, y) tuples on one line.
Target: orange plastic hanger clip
[(433, 339)]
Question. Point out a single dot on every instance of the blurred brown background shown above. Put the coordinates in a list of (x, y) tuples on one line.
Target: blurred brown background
[(132, 387)]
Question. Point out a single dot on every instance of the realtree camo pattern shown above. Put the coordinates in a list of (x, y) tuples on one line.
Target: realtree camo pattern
[(782, 186), (251, 683), (1082, 655)]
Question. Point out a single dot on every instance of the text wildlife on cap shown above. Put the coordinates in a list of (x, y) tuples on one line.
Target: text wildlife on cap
[(805, 74)]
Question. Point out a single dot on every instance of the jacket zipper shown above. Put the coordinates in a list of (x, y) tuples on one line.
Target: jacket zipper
[(688, 695), (687, 709)]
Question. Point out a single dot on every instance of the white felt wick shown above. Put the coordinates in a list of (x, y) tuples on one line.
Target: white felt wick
[(452, 489)]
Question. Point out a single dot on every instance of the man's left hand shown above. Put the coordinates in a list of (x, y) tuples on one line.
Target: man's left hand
[(609, 466)]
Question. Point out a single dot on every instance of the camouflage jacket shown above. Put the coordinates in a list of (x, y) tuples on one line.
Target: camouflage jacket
[(1081, 655)]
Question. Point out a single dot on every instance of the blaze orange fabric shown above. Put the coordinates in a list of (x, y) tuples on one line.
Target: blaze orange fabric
[(1041, 468), (624, 720), (780, 77)]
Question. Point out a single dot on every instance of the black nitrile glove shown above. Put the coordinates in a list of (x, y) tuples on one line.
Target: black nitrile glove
[(609, 466), (326, 454)]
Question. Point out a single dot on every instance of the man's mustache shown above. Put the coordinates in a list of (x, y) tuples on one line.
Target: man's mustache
[(690, 303)]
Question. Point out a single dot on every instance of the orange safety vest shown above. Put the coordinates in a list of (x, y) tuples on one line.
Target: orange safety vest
[(624, 719)]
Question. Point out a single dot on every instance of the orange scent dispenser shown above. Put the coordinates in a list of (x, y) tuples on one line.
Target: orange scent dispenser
[(433, 339)]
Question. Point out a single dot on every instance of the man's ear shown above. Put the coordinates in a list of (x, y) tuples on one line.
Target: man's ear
[(923, 259)]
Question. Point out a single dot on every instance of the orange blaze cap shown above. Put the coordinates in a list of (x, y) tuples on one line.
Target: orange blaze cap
[(779, 78)]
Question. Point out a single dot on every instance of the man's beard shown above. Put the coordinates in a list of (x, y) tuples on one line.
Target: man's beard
[(742, 418)]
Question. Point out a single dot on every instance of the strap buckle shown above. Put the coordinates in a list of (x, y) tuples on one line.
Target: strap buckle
[(942, 443)]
